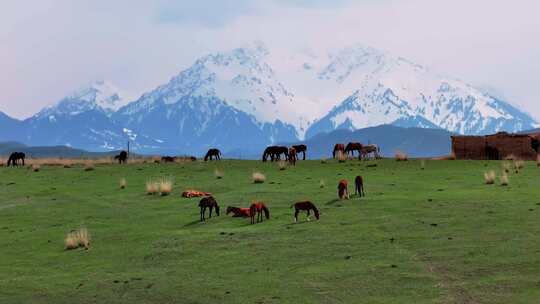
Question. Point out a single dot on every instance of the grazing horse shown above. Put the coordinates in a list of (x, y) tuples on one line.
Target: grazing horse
[(343, 191), (338, 148), (307, 206), (208, 202), (14, 159), (274, 152), (239, 212), (213, 153), (359, 186), (258, 208), (168, 159), (368, 149), (354, 146), (122, 157), (301, 148), (292, 156)]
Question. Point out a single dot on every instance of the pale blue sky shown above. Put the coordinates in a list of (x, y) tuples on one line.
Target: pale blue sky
[(50, 47)]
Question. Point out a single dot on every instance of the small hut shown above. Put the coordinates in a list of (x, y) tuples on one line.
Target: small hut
[(497, 146)]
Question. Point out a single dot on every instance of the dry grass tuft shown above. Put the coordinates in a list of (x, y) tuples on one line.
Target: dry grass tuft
[(89, 166), (489, 177), (152, 187), (123, 183), (341, 157), (165, 186), (504, 179), (423, 164), (35, 167), (506, 166), (77, 239), (282, 165), (323, 160), (219, 173), (322, 184), (258, 178), (518, 165), (401, 156)]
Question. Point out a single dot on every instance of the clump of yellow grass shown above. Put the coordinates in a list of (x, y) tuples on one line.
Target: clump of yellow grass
[(423, 164), (123, 183), (322, 184), (518, 165), (219, 173), (506, 166), (77, 239), (152, 187), (258, 178), (282, 165), (165, 186), (35, 167), (341, 157), (89, 166), (489, 177), (504, 179), (510, 157), (401, 156)]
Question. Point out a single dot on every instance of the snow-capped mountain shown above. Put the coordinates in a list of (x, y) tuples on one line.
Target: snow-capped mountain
[(100, 96), (251, 97)]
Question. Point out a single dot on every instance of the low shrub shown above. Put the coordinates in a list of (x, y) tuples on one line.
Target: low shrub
[(504, 179), (401, 156), (489, 177), (77, 239), (123, 183), (258, 177), (219, 173)]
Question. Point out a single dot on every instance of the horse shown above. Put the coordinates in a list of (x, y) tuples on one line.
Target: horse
[(168, 159), (359, 186), (354, 146), (274, 152), (368, 149), (208, 202), (239, 212), (343, 191), (258, 208), (301, 148), (307, 206), (292, 156), (213, 153), (337, 148), (122, 157), (14, 159)]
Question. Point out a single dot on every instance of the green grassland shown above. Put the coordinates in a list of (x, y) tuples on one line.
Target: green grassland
[(438, 235)]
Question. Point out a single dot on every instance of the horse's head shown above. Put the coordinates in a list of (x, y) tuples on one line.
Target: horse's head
[(229, 210)]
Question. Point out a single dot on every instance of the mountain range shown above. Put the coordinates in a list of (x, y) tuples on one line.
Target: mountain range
[(249, 97)]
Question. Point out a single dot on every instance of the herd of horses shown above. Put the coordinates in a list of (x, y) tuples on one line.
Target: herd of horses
[(364, 151), (260, 210)]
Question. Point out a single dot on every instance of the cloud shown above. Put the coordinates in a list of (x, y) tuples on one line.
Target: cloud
[(50, 47)]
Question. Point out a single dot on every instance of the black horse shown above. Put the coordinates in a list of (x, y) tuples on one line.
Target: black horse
[(168, 159), (301, 148), (213, 153), (14, 159), (122, 157), (354, 146), (274, 152), (208, 202)]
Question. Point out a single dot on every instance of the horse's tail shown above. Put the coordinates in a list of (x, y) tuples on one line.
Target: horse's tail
[(266, 212)]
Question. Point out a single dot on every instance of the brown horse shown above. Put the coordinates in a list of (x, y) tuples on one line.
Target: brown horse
[(343, 191), (212, 153), (292, 156), (258, 208), (354, 146), (338, 148), (302, 149), (208, 202), (239, 212), (369, 149), (359, 186), (306, 206), (168, 159), (274, 152)]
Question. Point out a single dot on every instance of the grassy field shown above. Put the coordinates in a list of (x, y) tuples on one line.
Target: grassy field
[(438, 235)]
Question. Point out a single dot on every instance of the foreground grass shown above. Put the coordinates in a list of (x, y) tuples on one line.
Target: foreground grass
[(438, 235)]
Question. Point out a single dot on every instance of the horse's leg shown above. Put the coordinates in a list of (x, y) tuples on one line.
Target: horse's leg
[(202, 214), (210, 216), (304, 154), (296, 215), (308, 219)]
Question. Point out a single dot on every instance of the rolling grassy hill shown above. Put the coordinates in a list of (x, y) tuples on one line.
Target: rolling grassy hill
[(438, 235)]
